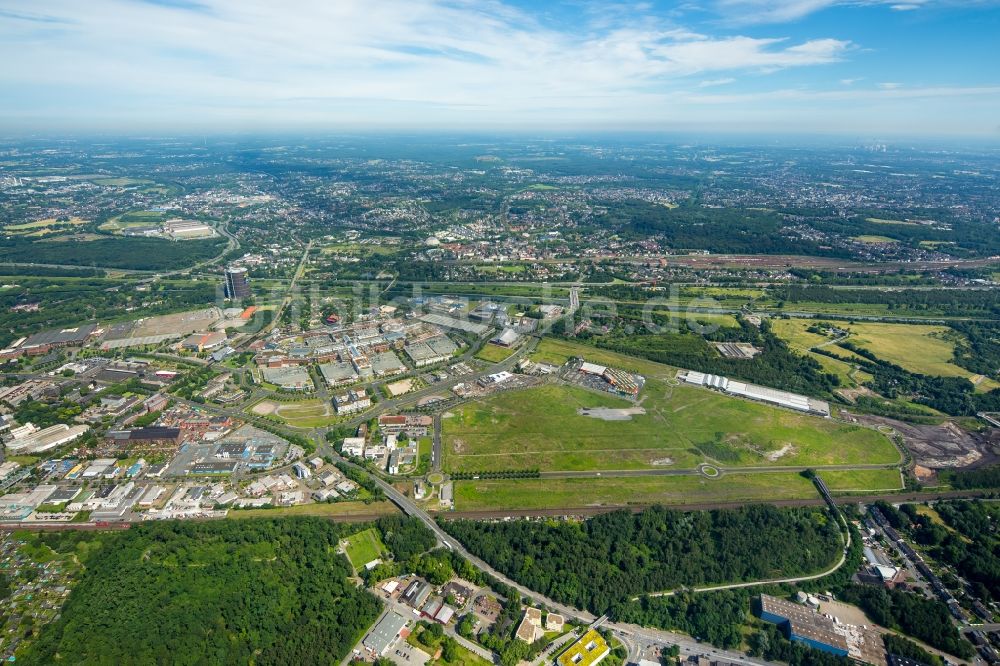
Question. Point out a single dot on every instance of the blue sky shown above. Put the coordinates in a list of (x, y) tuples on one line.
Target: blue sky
[(862, 67)]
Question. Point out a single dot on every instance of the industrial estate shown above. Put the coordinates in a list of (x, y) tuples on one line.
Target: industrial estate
[(534, 414)]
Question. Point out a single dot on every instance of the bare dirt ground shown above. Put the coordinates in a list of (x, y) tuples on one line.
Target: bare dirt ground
[(942, 446), (264, 408), (611, 414)]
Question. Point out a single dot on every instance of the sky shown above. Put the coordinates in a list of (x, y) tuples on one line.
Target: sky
[(867, 68)]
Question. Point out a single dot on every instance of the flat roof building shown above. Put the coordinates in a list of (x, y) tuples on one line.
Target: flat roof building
[(384, 634), (591, 649), (802, 624)]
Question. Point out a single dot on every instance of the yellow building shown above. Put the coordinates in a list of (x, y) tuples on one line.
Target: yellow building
[(588, 651)]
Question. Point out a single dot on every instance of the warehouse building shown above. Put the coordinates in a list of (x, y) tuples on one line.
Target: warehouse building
[(430, 351), (802, 624), (47, 438), (338, 373), (291, 378), (205, 341), (756, 392), (384, 634)]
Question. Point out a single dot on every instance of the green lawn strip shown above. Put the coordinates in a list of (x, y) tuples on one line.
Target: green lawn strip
[(574, 493)]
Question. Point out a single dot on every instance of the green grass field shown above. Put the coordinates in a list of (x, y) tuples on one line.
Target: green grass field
[(493, 353), (310, 413), (364, 547), (876, 240), (862, 480), (682, 427), (335, 510), (556, 493), (800, 340), (918, 348)]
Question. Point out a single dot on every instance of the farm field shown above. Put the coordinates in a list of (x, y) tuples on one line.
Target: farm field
[(875, 240), (878, 220), (120, 181), (43, 227), (363, 547), (793, 331), (921, 348), (694, 489), (682, 426)]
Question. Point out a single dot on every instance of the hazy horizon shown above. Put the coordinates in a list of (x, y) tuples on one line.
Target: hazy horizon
[(866, 69)]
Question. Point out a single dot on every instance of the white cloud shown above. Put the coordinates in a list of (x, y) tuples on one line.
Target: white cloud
[(448, 63), (748, 12), (711, 83), (347, 55)]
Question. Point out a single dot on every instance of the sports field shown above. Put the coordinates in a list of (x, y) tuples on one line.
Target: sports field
[(557, 493), (311, 413), (363, 547), (542, 428)]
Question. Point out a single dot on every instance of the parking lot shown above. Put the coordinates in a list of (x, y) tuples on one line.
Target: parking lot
[(404, 654)]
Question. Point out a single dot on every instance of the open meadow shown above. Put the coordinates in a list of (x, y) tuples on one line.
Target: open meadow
[(543, 428), (526, 494), (363, 547)]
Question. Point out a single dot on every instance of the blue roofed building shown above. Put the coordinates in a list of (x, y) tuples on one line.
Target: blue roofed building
[(802, 624)]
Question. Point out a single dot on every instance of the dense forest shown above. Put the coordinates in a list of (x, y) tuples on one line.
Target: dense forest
[(971, 545), (226, 592), (981, 351), (604, 560), (950, 302), (716, 617), (964, 479), (148, 254), (65, 302), (724, 230)]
